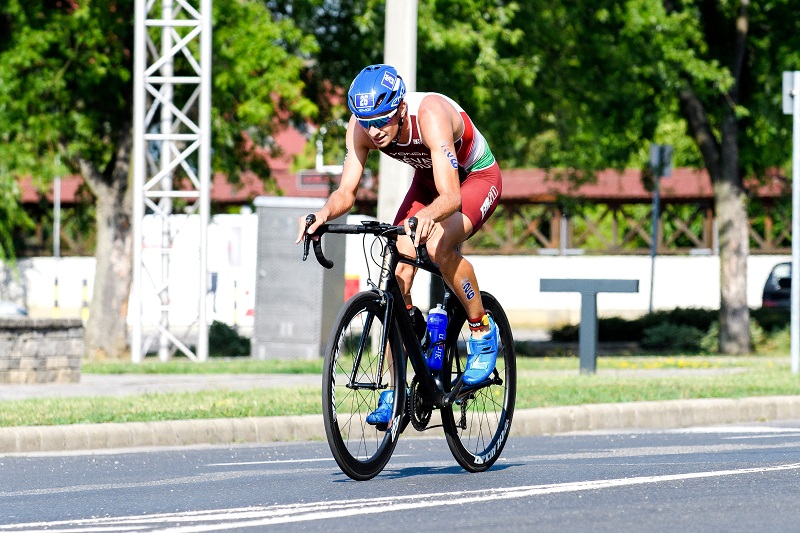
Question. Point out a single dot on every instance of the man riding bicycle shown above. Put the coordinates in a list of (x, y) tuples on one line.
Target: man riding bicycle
[(456, 187)]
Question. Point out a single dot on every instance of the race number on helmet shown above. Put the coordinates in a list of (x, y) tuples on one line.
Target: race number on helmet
[(376, 91)]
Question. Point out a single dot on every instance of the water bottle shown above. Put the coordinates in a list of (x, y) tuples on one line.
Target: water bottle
[(437, 328)]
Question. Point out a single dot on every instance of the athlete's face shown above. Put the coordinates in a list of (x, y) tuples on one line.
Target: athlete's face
[(382, 135)]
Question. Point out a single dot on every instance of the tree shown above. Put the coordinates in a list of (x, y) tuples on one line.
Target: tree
[(722, 63), (66, 101)]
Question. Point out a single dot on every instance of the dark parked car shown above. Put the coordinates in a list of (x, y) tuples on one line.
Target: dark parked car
[(777, 289)]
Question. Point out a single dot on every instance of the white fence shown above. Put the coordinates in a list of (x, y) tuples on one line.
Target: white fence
[(682, 281)]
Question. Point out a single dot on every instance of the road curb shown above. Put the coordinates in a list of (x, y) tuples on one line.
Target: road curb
[(540, 421), (669, 414)]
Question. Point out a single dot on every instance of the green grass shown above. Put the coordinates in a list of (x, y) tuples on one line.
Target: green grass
[(243, 365), (167, 406), (542, 382), (555, 390)]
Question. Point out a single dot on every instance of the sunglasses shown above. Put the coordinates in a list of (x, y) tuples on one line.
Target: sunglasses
[(377, 122)]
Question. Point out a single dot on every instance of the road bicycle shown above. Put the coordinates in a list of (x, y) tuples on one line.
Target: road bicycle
[(367, 352)]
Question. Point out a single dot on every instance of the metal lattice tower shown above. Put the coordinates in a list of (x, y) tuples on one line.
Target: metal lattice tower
[(172, 168)]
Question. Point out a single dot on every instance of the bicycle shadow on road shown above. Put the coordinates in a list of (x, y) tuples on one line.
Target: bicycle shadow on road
[(414, 471)]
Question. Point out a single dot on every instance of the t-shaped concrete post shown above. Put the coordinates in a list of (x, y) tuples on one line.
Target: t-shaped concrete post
[(587, 334)]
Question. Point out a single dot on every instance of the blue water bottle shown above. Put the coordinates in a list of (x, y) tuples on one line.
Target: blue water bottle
[(437, 327)]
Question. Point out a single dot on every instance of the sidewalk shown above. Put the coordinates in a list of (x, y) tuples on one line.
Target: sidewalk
[(540, 421)]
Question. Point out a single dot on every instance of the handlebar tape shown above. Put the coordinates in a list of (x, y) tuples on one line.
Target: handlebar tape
[(324, 261)]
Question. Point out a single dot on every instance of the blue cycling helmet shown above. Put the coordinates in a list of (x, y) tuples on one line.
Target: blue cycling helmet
[(376, 91)]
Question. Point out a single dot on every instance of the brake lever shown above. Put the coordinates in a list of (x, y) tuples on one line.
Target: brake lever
[(310, 219), (422, 250), (412, 225)]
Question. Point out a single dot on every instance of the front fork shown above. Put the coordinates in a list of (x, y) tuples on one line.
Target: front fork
[(386, 300)]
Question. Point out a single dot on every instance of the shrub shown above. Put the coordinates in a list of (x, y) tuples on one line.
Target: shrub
[(689, 316), (224, 341), (761, 340), (778, 341), (682, 329), (616, 329), (672, 337), (568, 333), (758, 337), (611, 329), (710, 341), (771, 319)]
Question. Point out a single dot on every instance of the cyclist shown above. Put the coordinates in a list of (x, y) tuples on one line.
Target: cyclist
[(456, 187)]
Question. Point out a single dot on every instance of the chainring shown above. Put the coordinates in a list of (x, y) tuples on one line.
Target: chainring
[(420, 411)]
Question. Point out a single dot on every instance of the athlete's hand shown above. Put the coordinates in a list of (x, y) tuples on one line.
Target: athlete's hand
[(425, 228), (301, 222)]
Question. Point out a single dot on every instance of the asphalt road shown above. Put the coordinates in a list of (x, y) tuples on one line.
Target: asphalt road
[(724, 478)]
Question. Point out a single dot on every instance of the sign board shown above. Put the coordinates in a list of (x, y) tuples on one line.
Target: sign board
[(661, 160), (308, 180), (312, 179), (788, 92)]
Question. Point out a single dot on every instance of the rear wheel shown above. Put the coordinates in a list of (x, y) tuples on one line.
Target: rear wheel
[(353, 378), (477, 425)]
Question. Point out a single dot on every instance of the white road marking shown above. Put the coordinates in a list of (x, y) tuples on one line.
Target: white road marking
[(734, 429), (227, 519), (273, 462), (650, 451), (779, 435)]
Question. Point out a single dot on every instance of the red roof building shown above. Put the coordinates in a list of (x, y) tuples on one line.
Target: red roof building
[(519, 186)]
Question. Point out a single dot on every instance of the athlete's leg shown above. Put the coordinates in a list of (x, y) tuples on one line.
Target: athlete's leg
[(480, 192), (479, 195), (456, 270), (418, 196)]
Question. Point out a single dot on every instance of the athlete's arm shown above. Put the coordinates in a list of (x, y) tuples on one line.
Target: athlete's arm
[(437, 124), (344, 197)]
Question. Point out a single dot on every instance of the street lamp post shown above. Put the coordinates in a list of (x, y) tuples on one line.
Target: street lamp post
[(660, 166)]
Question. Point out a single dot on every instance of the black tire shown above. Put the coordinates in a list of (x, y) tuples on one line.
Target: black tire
[(478, 425), (360, 449)]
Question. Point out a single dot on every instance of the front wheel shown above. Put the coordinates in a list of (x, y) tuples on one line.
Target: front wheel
[(477, 425), (353, 377)]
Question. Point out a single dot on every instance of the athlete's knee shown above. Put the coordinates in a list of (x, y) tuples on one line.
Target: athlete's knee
[(442, 250)]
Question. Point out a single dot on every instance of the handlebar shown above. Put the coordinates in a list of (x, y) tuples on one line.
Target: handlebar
[(365, 228)]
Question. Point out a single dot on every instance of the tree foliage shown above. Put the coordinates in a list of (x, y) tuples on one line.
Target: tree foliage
[(13, 218), (66, 81), (66, 99), (577, 86)]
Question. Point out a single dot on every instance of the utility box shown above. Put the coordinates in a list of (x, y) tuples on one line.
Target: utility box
[(296, 301)]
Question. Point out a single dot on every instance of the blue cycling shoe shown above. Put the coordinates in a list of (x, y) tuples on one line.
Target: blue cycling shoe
[(481, 356), (383, 414)]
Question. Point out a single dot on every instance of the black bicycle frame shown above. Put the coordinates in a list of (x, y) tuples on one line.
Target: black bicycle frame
[(389, 289)]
